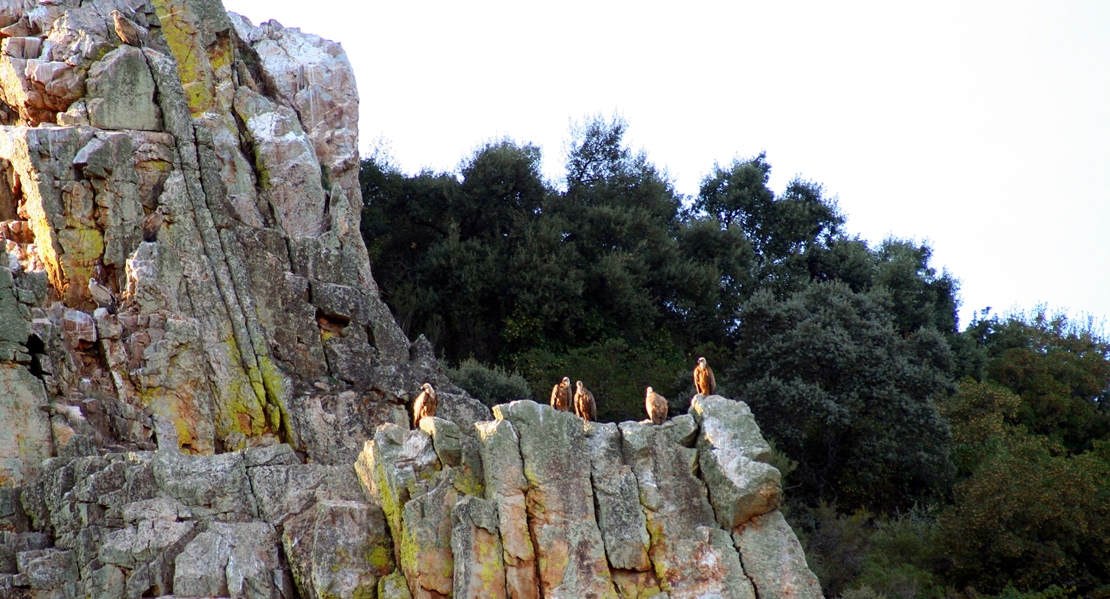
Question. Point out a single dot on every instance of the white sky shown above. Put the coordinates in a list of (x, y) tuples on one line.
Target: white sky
[(982, 127)]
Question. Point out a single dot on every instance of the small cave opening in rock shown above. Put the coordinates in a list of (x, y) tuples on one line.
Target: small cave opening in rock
[(370, 336), (36, 348), (331, 324)]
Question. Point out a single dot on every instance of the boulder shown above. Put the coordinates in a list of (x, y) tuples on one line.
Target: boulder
[(121, 92), (729, 447)]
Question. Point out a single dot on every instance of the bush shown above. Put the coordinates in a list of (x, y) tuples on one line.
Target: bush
[(491, 385)]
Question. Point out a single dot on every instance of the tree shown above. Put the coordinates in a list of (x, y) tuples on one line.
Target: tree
[(1027, 513), (1060, 370), (846, 396)]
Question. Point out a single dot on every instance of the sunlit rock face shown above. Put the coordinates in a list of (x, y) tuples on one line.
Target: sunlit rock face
[(203, 394)]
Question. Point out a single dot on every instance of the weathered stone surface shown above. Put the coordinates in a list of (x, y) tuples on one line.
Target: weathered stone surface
[(139, 544), (560, 501), (505, 486), (394, 587), (209, 485), (458, 451), (729, 423), (476, 548), (331, 427), (287, 490), (199, 570), (338, 549), (25, 438), (107, 582), (619, 515), (121, 92), (680, 519), (290, 172), (424, 540), (728, 446), (681, 429), (774, 560), (637, 585), (47, 568), (446, 439)]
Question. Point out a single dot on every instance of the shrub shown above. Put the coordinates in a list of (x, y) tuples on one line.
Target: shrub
[(490, 384)]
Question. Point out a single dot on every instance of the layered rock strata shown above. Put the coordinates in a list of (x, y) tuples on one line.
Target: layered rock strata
[(233, 422)]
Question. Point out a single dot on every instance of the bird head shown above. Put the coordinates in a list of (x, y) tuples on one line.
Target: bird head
[(701, 362), (649, 391), (579, 385), (566, 381), (427, 388), (115, 14)]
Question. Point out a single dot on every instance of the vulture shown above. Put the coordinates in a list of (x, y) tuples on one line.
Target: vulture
[(151, 224), (704, 381), (129, 32), (102, 296), (584, 405), (560, 395), (656, 406), (424, 405)]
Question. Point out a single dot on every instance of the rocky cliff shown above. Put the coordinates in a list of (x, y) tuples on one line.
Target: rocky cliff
[(234, 423)]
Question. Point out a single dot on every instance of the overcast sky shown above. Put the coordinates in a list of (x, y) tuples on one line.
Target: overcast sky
[(981, 127)]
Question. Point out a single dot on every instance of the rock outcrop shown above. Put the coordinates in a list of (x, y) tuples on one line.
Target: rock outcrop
[(234, 421), (571, 509)]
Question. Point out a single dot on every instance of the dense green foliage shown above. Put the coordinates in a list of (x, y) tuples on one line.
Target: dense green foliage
[(901, 482), (492, 385), (836, 386)]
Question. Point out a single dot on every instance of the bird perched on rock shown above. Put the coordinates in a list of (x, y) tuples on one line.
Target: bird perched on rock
[(560, 395), (102, 296), (151, 224), (424, 405), (584, 405), (704, 381), (657, 407), (129, 32)]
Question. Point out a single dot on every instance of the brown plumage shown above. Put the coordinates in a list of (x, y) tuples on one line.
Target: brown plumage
[(584, 405), (151, 225), (129, 32), (424, 405), (560, 395), (657, 407), (103, 296), (704, 381)]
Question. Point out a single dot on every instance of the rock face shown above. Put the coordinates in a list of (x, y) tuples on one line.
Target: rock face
[(236, 423), (568, 508)]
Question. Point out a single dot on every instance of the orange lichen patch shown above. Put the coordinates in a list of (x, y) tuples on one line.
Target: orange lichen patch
[(244, 422)]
